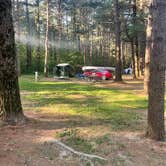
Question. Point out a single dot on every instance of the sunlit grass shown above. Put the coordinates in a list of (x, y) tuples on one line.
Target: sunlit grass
[(108, 104)]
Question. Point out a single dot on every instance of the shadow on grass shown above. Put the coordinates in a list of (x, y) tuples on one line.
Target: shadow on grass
[(54, 122), (116, 120), (59, 86), (95, 105)]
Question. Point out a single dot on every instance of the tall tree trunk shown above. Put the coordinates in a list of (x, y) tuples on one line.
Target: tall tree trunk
[(59, 21), (142, 46), (74, 13), (91, 50), (102, 52), (18, 37), (38, 51), (156, 37), (13, 9), (28, 44), (147, 63), (135, 38), (118, 72), (133, 60), (46, 41), (79, 42), (10, 103), (137, 58), (84, 47), (16, 19), (67, 30), (123, 54)]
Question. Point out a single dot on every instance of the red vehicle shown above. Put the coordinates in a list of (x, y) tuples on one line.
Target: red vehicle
[(88, 73), (99, 74)]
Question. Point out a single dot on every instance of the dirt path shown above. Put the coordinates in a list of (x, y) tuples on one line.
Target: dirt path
[(26, 145)]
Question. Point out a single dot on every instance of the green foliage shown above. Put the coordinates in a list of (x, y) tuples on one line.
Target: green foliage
[(74, 58), (80, 26)]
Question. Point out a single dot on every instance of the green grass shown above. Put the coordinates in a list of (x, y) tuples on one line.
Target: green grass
[(109, 105), (86, 114), (87, 117), (71, 138)]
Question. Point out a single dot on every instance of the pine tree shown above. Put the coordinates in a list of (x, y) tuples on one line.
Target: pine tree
[(10, 103), (156, 51)]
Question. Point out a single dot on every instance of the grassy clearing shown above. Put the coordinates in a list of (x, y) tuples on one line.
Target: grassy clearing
[(106, 103), (91, 111)]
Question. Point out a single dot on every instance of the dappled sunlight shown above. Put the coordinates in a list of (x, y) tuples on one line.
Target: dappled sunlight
[(76, 96), (98, 120), (103, 105)]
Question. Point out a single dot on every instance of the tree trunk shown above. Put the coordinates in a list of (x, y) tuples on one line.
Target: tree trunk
[(10, 103), (18, 37), (28, 44), (156, 37), (38, 51), (147, 62), (59, 22), (135, 39), (91, 50), (84, 54), (118, 72), (137, 58), (142, 46), (74, 16), (133, 60), (16, 18), (46, 42)]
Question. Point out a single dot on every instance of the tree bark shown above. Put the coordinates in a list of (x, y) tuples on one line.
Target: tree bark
[(18, 36), (147, 62), (133, 59), (46, 42), (10, 103), (156, 38), (118, 72), (74, 16), (16, 19), (38, 51), (91, 49), (59, 22), (142, 46), (137, 58), (135, 39), (28, 44)]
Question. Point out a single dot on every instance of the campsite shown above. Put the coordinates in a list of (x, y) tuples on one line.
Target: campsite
[(82, 83)]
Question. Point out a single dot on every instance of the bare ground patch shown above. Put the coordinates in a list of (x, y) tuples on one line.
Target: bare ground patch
[(26, 145), (29, 145)]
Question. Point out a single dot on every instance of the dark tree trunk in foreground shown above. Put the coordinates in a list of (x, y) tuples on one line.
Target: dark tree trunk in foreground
[(118, 72), (156, 38), (10, 103)]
